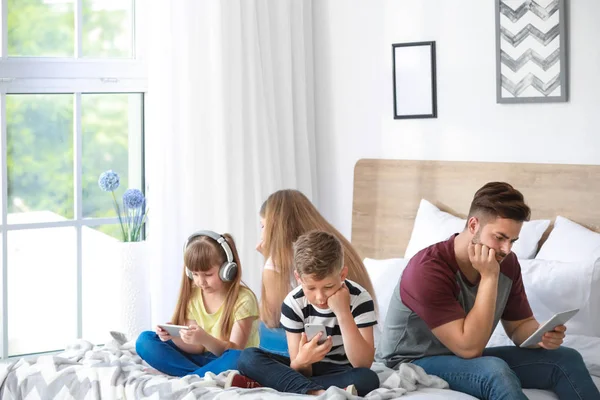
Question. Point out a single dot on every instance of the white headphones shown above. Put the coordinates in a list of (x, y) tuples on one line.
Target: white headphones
[(228, 270)]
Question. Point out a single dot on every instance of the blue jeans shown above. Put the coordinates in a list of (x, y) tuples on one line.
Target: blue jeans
[(503, 373), (171, 360), (273, 340), (272, 370)]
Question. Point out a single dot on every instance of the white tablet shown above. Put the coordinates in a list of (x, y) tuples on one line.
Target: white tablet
[(558, 319), (173, 329)]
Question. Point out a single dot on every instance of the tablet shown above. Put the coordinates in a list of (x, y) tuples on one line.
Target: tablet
[(558, 319), (173, 329)]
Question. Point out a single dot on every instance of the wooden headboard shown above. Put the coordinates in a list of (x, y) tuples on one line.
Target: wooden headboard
[(387, 195)]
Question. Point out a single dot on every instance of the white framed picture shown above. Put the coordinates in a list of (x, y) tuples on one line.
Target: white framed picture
[(414, 75)]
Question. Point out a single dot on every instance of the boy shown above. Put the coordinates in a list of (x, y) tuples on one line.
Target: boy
[(324, 297)]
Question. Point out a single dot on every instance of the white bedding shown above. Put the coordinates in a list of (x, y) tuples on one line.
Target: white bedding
[(116, 372)]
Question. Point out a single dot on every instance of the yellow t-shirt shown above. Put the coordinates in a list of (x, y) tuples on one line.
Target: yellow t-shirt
[(245, 306)]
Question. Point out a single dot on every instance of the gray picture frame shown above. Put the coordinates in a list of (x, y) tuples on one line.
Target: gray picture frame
[(414, 79), (510, 91)]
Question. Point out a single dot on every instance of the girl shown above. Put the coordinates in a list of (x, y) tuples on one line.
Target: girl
[(220, 311), (285, 216)]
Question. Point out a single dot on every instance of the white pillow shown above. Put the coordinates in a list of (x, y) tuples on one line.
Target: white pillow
[(385, 275), (570, 242), (554, 286), (433, 225), (529, 238)]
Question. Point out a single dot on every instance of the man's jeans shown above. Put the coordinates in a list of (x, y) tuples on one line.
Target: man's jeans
[(171, 360), (503, 373), (272, 370)]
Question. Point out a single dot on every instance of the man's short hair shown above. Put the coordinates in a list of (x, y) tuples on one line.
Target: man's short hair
[(319, 254), (499, 199)]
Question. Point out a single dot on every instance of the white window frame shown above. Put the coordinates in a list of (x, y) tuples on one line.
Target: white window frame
[(72, 75)]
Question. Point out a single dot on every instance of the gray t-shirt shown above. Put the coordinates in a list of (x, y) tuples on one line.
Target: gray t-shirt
[(432, 292)]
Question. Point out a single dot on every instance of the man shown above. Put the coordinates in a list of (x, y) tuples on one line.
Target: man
[(453, 294)]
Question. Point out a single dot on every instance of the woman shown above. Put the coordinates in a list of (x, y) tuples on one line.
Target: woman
[(284, 216)]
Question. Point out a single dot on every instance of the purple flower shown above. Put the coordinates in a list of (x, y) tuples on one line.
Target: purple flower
[(109, 181), (133, 198)]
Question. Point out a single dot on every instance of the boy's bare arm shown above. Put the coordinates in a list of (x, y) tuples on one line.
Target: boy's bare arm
[(358, 342), (304, 353)]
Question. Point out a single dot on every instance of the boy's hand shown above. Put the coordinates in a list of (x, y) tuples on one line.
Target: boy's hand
[(339, 302), (194, 335), (163, 334), (312, 352)]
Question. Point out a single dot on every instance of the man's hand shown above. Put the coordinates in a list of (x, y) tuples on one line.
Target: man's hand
[(553, 340), (312, 352), (483, 259), (339, 302)]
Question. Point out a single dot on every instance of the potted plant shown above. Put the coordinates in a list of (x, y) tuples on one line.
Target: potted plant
[(132, 281)]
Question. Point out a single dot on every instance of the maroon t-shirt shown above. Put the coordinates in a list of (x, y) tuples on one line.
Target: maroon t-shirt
[(432, 292)]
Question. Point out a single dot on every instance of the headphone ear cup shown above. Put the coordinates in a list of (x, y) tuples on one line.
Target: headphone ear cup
[(189, 273), (228, 271)]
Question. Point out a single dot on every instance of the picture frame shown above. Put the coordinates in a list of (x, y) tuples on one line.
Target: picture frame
[(414, 80), (531, 51)]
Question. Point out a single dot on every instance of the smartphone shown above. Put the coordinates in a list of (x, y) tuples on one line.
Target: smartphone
[(312, 330), (558, 319), (173, 329)]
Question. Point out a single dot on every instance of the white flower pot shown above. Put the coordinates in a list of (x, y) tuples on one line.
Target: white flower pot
[(133, 288)]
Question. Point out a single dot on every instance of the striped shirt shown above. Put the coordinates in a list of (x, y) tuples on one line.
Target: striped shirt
[(296, 311)]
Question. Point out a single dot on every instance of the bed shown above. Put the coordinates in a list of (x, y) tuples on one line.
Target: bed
[(387, 199)]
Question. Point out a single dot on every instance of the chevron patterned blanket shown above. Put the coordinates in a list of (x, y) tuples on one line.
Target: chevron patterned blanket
[(115, 371)]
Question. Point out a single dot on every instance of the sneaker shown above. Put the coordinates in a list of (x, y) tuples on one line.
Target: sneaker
[(235, 379), (352, 390)]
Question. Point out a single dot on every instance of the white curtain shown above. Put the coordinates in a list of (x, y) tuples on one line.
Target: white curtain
[(230, 119)]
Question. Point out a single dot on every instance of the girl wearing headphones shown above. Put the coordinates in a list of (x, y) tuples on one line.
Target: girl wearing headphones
[(220, 311)]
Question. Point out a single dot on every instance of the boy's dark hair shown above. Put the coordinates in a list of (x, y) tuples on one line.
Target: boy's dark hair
[(319, 254), (499, 199)]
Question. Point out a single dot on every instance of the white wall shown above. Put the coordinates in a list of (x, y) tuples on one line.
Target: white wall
[(348, 96), (354, 93)]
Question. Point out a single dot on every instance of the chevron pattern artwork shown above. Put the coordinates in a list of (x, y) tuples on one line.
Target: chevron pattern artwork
[(531, 55)]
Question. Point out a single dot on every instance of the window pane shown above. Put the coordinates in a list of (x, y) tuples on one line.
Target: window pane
[(112, 136), (42, 290), (107, 28), (40, 157), (41, 28), (100, 311)]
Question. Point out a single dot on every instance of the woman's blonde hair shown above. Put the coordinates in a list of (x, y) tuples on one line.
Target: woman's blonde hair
[(289, 214), (201, 254)]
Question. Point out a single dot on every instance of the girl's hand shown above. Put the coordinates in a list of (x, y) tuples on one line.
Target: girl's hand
[(163, 334), (312, 352), (194, 335)]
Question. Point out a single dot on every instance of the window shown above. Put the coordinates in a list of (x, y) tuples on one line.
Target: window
[(72, 85)]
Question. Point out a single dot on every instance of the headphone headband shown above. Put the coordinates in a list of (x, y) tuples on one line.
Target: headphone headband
[(216, 237), (228, 270)]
